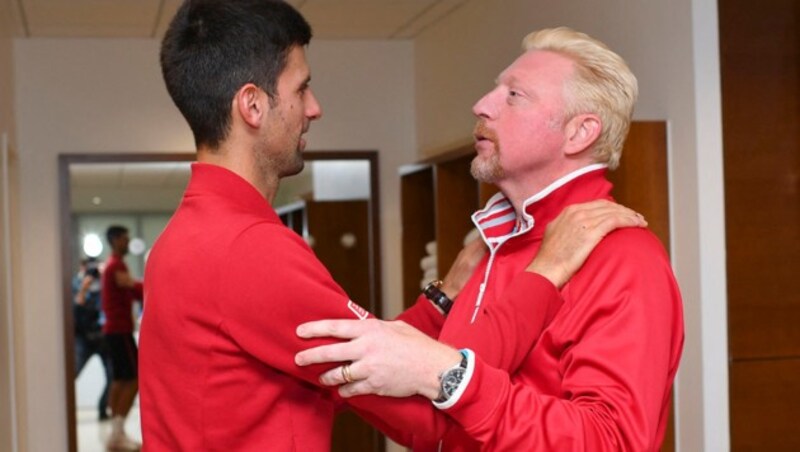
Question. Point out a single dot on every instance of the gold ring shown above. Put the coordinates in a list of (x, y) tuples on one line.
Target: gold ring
[(348, 378)]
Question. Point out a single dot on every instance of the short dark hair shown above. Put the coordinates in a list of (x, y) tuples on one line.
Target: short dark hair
[(214, 47), (114, 232)]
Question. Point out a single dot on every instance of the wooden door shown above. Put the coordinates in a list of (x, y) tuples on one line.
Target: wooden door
[(340, 232), (760, 73)]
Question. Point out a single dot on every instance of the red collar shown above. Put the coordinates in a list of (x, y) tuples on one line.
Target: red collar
[(209, 179), (498, 221)]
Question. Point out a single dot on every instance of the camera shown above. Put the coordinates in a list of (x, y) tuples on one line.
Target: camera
[(92, 269)]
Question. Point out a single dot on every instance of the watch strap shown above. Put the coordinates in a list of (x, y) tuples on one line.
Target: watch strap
[(452, 379), (433, 292)]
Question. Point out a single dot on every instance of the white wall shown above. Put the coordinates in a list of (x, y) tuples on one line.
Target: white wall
[(672, 47), (87, 95)]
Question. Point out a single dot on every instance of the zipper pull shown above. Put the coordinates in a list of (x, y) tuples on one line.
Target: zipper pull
[(481, 289)]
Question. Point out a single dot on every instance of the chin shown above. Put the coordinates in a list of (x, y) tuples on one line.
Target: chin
[(295, 167)]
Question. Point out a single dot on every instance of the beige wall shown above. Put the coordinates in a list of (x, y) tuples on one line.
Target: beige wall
[(86, 95), (672, 47), (6, 332), (5, 376)]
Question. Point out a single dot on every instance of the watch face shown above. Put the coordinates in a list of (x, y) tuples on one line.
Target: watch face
[(451, 379)]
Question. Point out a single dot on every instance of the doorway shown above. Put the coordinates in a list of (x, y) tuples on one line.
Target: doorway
[(308, 203)]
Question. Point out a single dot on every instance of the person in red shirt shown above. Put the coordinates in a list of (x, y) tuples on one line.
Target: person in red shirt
[(593, 370), (228, 283), (118, 292)]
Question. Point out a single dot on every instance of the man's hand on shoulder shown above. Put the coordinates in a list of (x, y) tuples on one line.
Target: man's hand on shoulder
[(571, 237)]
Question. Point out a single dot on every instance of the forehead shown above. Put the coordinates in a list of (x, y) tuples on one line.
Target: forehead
[(538, 67), (296, 69)]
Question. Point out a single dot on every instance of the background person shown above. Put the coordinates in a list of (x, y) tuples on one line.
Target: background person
[(87, 318), (119, 291)]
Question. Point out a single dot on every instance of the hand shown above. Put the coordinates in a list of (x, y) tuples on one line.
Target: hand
[(463, 267), (386, 358), (80, 296), (571, 237)]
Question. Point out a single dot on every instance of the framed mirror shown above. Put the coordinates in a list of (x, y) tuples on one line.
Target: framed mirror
[(333, 204)]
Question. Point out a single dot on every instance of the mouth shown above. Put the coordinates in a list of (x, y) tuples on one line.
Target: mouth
[(483, 135)]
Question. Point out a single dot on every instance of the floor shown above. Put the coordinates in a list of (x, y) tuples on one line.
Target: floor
[(92, 434)]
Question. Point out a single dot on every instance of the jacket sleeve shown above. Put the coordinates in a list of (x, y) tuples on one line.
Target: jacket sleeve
[(273, 282), (516, 319), (424, 317), (617, 364)]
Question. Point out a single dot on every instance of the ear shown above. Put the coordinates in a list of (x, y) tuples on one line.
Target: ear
[(248, 104), (582, 131)]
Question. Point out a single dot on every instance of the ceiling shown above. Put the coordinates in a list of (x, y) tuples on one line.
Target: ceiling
[(129, 187), (97, 187), (330, 19)]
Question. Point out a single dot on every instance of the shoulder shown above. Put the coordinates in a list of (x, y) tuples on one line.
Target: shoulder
[(631, 246), (260, 236), (627, 259), (268, 247), (114, 264), (270, 256)]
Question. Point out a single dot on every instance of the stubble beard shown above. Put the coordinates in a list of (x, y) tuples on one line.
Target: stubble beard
[(279, 166), (487, 168)]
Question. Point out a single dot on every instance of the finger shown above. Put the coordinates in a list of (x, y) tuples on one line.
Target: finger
[(341, 328), (620, 217), (591, 217), (337, 375), (331, 353), (358, 387), (609, 223), (332, 377), (594, 207)]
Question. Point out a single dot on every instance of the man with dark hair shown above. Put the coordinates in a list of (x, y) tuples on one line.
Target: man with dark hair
[(118, 291), (227, 283)]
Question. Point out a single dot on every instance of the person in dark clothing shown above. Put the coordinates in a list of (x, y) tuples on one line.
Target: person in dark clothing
[(87, 318)]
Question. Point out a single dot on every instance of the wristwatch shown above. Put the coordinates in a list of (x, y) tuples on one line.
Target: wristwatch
[(433, 292), (451, 379)]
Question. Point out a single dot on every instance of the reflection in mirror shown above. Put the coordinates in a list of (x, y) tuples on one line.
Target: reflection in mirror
[(330, 204), (140, 197)]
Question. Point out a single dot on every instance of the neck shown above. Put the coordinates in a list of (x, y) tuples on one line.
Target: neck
[(244, 166), (519, 192)]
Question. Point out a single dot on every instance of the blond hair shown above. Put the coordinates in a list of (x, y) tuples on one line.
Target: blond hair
[(602, 84)]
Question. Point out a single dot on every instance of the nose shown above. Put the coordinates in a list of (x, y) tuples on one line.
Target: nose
[(483, 107), (313, 108)]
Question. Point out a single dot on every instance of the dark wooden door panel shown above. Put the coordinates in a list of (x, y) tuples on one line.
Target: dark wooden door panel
[(641, 182), (760, 64), (417, 211), (456, 201), (763, 404), (760, 73), (332, 224)]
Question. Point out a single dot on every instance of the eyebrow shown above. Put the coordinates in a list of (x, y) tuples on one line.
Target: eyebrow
[(512, 80)]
